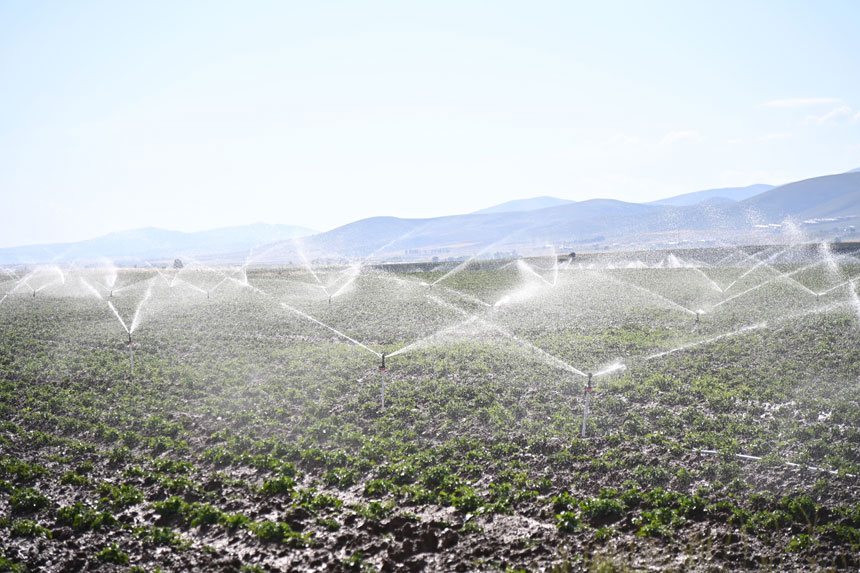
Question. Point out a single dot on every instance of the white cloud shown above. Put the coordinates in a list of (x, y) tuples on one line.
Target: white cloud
[(833, 115), (687, 136), (622, 139), (856, 117), (774, 136), (802, 102)]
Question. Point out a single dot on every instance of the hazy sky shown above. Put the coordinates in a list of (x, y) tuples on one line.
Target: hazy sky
[(194, 115)]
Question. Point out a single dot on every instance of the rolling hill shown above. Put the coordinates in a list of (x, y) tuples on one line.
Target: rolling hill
[(714, 196), (152, 243), (827, 196)]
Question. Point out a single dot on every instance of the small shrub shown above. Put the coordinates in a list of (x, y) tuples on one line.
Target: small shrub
[(279, 485), (279, 531), (112, 554), (73, 478), (27, 500), (567, 522), (84, 518), (234, 520), (119, 496), (27, 528)]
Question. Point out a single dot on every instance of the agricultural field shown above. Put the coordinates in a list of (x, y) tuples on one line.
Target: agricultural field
[(723, 426)]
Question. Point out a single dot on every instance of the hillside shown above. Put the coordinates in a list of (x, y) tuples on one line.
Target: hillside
[(714, 196), (533, 204), (828, 196), (153, 243)]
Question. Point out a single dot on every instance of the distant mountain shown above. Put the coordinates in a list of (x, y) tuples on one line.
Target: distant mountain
[(854, 170), (828, 196), (714, 196), (460, 235), (519, 205), (153, 243), (704, 217)]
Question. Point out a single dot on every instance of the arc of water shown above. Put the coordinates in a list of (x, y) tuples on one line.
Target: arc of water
[(552, 359), (466, 263), (776, 278), (219, 283), (91, 288), (353, 272), (706, 341), (23, 281), (336, 331), (136, 319), (188, 284), (757, 265), (618, 366), (855, 299), (526, 268), (121, 321), (465, 295), (840, 285), (4, 298), (413, 345), (782, 275), (248, 285), (160, 274), (651, 292), (715, 286), (308, 266)]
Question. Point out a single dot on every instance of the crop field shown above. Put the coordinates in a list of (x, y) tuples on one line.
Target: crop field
[(249, 433)]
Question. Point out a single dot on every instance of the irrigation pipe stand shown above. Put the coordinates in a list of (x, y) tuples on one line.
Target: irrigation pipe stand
[(130, 356), (382, 370), (587, 396)]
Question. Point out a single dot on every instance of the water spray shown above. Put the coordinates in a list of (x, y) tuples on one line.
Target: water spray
[(588, 391)]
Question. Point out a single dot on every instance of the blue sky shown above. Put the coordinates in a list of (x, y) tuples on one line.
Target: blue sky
[(194, 115)]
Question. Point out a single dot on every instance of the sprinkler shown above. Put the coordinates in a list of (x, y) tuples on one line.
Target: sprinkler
[(130, 356), (382, 370), (34, 293), (697, 319), (207, 295), (329, 302), (111, 294), (588, 391)]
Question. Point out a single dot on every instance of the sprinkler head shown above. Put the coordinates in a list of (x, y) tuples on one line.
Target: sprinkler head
[(382, 366), (111, 294), (697, 318), (129, 338), (588, 384)]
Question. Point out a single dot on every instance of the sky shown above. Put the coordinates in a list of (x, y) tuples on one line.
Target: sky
[(195, 115)]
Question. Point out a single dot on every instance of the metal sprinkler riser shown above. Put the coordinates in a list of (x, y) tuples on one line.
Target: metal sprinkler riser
[(588, 391), (382, 370)]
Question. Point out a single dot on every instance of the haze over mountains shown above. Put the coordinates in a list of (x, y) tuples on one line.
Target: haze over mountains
[(828, 206)]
